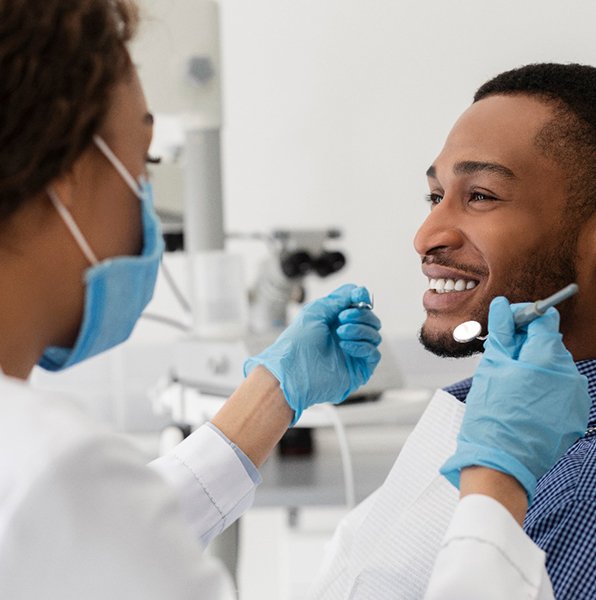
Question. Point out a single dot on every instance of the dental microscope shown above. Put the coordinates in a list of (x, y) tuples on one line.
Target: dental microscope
[(294, 254)]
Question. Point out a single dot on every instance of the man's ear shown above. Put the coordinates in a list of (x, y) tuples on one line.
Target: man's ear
[(586, 247), (589, 230)]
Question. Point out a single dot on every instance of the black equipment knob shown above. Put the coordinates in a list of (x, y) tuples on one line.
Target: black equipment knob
[(329, 262), (296, 264)]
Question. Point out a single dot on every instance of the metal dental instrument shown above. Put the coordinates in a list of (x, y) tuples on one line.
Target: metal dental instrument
[(369, 305), (470, 330)]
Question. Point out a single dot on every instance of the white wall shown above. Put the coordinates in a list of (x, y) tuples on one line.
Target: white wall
[(335, 108)]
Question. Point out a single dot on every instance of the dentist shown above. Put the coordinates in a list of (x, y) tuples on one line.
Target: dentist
[(81, 515)]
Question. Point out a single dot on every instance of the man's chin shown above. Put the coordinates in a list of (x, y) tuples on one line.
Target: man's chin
[(442, 344)]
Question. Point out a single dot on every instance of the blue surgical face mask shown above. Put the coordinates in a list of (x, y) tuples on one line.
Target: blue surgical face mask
[(117, 290)]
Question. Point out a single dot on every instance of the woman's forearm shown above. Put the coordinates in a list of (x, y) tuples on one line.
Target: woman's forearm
[(500, 486), (256, 415)]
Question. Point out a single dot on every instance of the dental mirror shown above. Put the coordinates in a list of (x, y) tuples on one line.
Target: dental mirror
[(470, 330)]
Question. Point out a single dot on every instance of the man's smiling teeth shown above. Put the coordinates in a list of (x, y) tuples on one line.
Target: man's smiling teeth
[(450, 285)]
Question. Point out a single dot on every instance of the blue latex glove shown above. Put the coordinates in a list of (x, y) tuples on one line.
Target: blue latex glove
[(528, 403), (327, 352)]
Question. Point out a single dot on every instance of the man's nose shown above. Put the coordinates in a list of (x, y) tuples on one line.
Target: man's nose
[(440, 231)]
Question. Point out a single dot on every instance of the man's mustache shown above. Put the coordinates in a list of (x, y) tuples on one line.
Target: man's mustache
[(444, 262)]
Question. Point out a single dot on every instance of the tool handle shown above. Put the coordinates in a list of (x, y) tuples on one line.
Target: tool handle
[(525, 315)]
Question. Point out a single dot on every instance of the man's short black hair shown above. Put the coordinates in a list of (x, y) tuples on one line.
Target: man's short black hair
[(570, 138)]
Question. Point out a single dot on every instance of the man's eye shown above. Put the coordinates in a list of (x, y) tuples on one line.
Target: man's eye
[(434, 199), (152, 160), (480, 197)]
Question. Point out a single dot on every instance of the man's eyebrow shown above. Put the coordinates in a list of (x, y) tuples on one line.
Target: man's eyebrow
[(468, 167), (148, 118)]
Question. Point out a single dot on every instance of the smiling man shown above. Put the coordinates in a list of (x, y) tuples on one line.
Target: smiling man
[(512, 193), (513, 213)]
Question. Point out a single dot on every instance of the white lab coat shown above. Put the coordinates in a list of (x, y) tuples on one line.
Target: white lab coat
[(81, 516)]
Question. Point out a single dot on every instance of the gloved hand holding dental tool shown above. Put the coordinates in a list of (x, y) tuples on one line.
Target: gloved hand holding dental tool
[(528, 403), (328, 352)]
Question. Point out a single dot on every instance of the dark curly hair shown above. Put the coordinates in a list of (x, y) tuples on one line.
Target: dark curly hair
[(59, 61), (570, 137)]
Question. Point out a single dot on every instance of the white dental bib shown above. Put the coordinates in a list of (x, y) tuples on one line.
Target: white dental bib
[(386, 547)]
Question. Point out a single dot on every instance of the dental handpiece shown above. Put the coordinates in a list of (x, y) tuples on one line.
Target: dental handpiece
[(470, 330)]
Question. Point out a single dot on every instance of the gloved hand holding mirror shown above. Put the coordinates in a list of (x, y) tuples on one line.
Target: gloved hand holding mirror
[(528, 403)]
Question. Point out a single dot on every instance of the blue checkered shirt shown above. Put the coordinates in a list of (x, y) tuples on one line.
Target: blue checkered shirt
[(562, 518)]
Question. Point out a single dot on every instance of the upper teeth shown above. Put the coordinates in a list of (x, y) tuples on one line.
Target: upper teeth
[(450, 285)]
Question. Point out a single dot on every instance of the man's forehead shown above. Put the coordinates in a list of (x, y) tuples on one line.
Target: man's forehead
[(494, 112), (499, 131)]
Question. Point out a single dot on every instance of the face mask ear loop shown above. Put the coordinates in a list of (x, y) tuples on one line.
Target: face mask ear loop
[(117, 164), (72, 227)]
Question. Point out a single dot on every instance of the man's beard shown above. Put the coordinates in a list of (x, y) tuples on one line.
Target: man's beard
[(539, 276)]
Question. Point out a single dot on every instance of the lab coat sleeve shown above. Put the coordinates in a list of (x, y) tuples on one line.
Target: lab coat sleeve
[(486, 554), (213, 487)]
